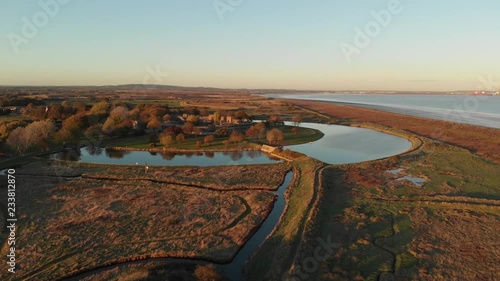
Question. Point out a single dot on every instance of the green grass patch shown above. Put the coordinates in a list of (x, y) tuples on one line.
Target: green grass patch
[(457, 171), (304, 135)]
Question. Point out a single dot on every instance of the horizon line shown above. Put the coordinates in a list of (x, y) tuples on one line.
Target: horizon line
[(242, 89)]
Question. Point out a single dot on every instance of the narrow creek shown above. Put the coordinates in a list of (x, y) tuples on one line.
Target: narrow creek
[(234, 270)]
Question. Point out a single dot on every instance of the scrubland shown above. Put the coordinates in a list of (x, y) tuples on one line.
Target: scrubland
[(71, 225)]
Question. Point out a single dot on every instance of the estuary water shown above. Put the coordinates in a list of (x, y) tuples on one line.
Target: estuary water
[(343, 145), (474, 110)]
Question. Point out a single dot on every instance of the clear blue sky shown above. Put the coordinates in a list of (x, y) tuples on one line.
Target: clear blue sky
[(430, 45)]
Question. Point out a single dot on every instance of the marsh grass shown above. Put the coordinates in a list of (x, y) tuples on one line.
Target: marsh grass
[(69, 226)]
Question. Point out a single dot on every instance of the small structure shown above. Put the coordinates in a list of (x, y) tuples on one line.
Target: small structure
[(268, 149)]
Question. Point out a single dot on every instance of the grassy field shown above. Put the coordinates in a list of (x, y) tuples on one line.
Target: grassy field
[(82, 223), (304, 135), (142, 142), (10, 118), (239, 177), (386, 228)]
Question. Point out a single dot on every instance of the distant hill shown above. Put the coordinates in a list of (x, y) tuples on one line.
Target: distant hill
[(160, 87)]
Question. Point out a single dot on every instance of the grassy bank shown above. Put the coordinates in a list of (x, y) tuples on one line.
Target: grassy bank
[(276, 255)]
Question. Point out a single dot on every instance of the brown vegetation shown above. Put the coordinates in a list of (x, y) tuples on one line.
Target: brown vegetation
[(75, 225), (239, 177)]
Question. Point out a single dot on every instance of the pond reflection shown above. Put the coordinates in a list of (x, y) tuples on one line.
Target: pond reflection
[(164, 158), (94, 150), (116, 154), (167, 155), (339, 145)]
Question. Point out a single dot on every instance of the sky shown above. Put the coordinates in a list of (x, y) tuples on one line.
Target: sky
[(406, 45)]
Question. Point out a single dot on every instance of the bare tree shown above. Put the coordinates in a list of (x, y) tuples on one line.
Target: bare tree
[(39, 132), (120, 114), (154, 123), (241, 114), (236, 137), (180, 138), (101, 107), (274, 136), (260, 129), (297, 119), (166, 140), (188, 128), (167, 118), (209, 139), (18, 140), (117, 118), (35, 134)]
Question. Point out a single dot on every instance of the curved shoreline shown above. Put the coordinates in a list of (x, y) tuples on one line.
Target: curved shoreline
[(180, 151), (479, 140), (310, 214)]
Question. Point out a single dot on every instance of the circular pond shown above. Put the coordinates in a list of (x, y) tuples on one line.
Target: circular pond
[(339, 145), (344, 145)]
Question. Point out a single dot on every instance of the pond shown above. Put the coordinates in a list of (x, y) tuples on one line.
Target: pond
[(343, 145), (106, 156), (340, 145)]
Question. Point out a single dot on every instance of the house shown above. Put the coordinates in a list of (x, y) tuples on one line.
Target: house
[(135, 124), (207, 119)]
